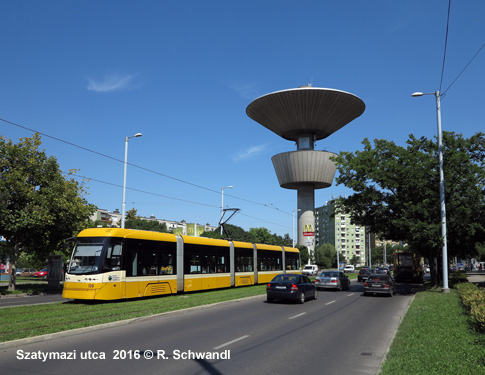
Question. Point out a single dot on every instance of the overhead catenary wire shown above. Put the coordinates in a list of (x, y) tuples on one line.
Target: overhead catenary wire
[(446, 44), (269, 205), (463, 70), (139, 167), (168, 197), (443, 92)]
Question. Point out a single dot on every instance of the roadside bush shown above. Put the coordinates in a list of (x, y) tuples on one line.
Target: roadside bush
[(473, 298), (458, 277)]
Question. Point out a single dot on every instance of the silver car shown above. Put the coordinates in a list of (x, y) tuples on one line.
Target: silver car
[(332, 280)]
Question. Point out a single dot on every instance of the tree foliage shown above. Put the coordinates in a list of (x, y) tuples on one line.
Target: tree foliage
[(39, 207), (326, 256), (143, 224), (254, 235), (304, 254), (377, 255), (397, 192)]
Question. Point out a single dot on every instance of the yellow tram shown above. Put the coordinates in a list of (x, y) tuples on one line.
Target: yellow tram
[(115, 263)]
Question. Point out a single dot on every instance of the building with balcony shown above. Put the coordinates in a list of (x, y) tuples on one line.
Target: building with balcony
[(334, 227)]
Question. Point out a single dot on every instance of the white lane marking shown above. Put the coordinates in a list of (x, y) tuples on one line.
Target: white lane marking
[(296, 316), (231, 342), (329, 303), (351, 294)]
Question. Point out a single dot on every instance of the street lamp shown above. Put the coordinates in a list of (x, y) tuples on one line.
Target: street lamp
[(123, 203), (222, 203), (442, 188), (293, 230)]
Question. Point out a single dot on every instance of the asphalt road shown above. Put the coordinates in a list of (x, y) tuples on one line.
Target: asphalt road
[(30, 300), (339, 333)]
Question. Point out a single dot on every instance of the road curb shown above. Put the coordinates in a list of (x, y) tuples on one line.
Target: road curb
[(394, 334)]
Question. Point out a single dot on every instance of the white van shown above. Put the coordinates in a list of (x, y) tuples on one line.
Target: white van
[(310, 269), (349, 268)]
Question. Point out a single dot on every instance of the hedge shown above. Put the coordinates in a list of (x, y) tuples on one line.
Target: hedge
[(473, 298)]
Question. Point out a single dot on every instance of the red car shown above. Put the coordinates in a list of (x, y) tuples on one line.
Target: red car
[(41, 273)]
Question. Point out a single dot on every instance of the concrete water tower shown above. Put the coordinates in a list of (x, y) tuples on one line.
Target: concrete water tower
[(305, 115)]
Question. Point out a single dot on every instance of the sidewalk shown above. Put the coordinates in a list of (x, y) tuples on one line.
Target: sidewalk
[(476, 278)]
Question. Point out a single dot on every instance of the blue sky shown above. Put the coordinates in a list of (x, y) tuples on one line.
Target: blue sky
[(182, 73)]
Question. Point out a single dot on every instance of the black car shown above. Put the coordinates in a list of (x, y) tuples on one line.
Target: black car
[(364, 273), (292, 287), (379, 284)]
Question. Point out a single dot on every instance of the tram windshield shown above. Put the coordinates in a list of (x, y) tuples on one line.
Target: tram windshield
[(87, 257)]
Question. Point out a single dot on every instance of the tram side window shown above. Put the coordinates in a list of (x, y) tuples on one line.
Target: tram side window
[(244, 260), (192, 259), (167, 263), (269, 260), (292, 261), (206, 259), (150, 258), (138, 264)]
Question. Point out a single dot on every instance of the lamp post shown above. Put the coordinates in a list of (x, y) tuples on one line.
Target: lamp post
[(293, 230), (222, 202), (442, 188), (123, 203)]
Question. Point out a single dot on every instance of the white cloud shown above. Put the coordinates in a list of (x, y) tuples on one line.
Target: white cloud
[(245, 90), (251, 152), (111, 82)]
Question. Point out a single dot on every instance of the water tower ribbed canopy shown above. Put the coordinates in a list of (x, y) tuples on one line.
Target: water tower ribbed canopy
[(305, 110)]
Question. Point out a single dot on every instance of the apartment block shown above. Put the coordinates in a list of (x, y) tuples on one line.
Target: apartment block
[(334, 227)]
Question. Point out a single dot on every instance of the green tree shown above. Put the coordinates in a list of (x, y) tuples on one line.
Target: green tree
[(133, 221), (144, 224), (378, 253), (234, 232), (212, 234), (304, 254), (326, 256), (397, 192), (287, 240), (39, 207), (354, 260), (261, 235), (131, 215)]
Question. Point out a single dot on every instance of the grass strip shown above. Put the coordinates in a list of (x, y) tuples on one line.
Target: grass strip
[(28, 321), (437, 336)]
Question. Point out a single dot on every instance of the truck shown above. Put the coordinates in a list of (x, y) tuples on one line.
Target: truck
[(408, 267)]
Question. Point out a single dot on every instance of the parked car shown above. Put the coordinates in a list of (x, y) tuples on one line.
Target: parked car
[(364, 273), (310, 269), (379, 284), (291, 287), (332, 280), (349, 268), (18, 272), (28, 272), (41, 273)]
